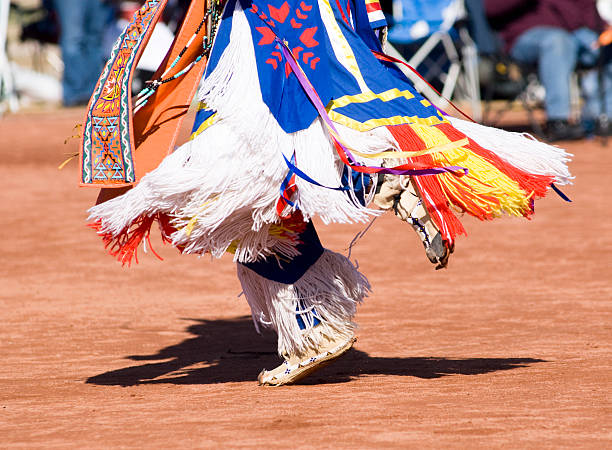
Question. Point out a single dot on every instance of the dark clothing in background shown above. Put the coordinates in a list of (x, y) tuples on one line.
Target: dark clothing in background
[(487, 42), (513, 17), (556, 36)]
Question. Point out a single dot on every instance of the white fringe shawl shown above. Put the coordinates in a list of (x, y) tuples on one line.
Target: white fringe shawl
[(332, 287), (233, 91), (519, 149), (222, 187)]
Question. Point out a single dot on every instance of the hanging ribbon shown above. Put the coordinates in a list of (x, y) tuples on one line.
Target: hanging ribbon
[(287, 189), (288, 186), (343, 151), (384, 57), (560, 193)]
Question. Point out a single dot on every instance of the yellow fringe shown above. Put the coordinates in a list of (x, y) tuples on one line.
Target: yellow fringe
[(276, 230), (233, 247), (484, 179), (78, 126), (194, 220), (70, 158)]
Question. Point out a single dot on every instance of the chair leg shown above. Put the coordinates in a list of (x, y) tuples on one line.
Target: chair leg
[(7, 87), (603, 121), (419, 84), (470, 70), (574, 89), (535, 125)]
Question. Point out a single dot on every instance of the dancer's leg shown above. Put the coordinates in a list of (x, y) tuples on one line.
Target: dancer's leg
[(309, 301)]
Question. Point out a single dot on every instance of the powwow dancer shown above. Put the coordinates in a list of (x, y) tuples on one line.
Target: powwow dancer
[(301, 115)]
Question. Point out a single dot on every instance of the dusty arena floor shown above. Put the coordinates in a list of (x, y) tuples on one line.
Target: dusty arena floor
[(509, 347)]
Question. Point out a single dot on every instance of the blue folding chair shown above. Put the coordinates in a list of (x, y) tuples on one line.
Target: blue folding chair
[(433, 38)]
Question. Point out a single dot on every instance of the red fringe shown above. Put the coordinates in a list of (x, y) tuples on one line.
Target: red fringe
[(430, 188), (538, 184), (124, 246), (472, 207)]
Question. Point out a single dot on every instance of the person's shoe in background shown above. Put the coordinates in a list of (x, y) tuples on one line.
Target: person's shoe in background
[(562, 130), (499, 77)]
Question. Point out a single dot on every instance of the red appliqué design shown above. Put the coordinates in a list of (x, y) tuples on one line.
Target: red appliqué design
[(280, 14), (267, 35), (307, 37), (296, 18)]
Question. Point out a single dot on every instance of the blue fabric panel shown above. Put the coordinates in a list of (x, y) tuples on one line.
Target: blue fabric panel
[(200, 117), (299, 24), (364, 28), (223, 37), (401, 105), (291, 271)]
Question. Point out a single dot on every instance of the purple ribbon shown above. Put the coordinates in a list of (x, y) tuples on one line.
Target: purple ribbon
[(316, 101)]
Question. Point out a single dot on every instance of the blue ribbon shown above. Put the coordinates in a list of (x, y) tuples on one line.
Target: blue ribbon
[(559, 193), (287, 179), (294, 170)]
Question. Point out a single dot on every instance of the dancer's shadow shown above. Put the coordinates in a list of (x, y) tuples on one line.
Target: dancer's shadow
[(230, 351)]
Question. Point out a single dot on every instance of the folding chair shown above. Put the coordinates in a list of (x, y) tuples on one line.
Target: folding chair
[(530, 98), (446, 51), (8, 96)]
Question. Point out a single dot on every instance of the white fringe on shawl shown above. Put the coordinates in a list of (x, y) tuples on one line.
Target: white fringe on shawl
[(332, 287), (222, 187), (233, 91), (519, 149)]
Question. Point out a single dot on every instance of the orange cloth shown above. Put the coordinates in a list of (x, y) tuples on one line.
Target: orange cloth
[(155, 126)]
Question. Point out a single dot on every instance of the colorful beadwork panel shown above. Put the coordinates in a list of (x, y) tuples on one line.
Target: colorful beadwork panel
[(107, 149)]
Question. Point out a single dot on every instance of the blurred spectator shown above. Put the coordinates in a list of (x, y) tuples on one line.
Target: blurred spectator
[(122, 15), (82, 25), (499, 77), (484, 37), (45, 29), (175, 12), (173, 15), (159, 42), (555, 35)]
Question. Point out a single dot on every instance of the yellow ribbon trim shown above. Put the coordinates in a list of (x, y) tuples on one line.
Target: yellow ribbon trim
[(208, 122), (364, 97), (385, 121), (385, 96), (340, 45)]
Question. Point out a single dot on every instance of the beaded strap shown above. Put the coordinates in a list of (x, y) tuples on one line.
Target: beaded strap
[(214, 14), (115, 126), (106, 150)]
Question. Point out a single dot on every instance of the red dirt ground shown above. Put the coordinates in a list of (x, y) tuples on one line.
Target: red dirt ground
[(509, 347)]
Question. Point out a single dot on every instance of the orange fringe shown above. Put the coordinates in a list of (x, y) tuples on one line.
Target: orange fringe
[(432, 193), (538, 184), (124, 246)]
